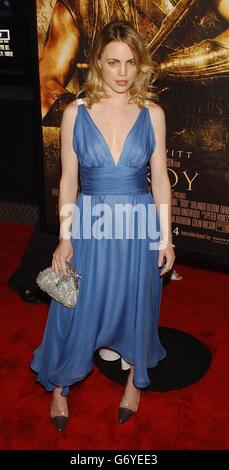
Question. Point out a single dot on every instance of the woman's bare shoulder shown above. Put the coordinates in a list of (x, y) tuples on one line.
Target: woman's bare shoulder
[(157, 114), (70, 112), (71, 108), (156, 109)]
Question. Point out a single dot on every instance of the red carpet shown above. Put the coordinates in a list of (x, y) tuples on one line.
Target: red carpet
[(195, 417)]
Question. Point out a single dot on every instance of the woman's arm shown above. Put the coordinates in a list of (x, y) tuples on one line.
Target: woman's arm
[(69, 165), (160, 184), (67, 189)]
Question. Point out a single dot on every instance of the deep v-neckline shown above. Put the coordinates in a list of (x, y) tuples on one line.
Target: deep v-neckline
[(104, 140)]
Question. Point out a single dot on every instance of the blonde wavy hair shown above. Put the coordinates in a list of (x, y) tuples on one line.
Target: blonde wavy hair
[(142, 89)]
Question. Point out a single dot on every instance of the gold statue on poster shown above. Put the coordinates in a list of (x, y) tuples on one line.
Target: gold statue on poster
[(206, 59), (72, 28)]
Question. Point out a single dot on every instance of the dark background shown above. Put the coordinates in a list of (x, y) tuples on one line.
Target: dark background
[(19, 132)]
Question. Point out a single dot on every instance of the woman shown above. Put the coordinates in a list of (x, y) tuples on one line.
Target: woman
[(110, 141)]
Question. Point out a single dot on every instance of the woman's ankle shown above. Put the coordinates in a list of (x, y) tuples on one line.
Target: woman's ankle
[(59, 404), (57, 398), (130, 378), (57, 392)]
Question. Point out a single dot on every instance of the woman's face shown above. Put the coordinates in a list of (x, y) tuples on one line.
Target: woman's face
[(118, 67)]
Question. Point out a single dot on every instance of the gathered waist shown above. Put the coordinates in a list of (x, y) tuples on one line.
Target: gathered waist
[(121, 180)]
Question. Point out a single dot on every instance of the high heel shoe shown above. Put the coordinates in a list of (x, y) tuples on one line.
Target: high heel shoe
[(59, 415), (59, 418), (127, 409), (125, 414)]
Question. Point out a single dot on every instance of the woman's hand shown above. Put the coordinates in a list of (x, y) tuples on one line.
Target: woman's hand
[(169, 254), (63, 252)]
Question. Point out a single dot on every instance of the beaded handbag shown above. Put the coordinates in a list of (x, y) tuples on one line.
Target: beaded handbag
[(64, 289)]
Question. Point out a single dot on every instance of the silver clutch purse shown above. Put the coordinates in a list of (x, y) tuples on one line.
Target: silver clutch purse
[(64, 289)]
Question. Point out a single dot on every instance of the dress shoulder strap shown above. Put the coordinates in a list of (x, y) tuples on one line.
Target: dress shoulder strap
[(79, 101), (146, 103)]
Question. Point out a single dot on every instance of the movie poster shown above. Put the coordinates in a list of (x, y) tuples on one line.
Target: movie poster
[(190, 41)]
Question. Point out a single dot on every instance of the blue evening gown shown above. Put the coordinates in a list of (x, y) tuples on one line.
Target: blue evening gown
[(120, 289)]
